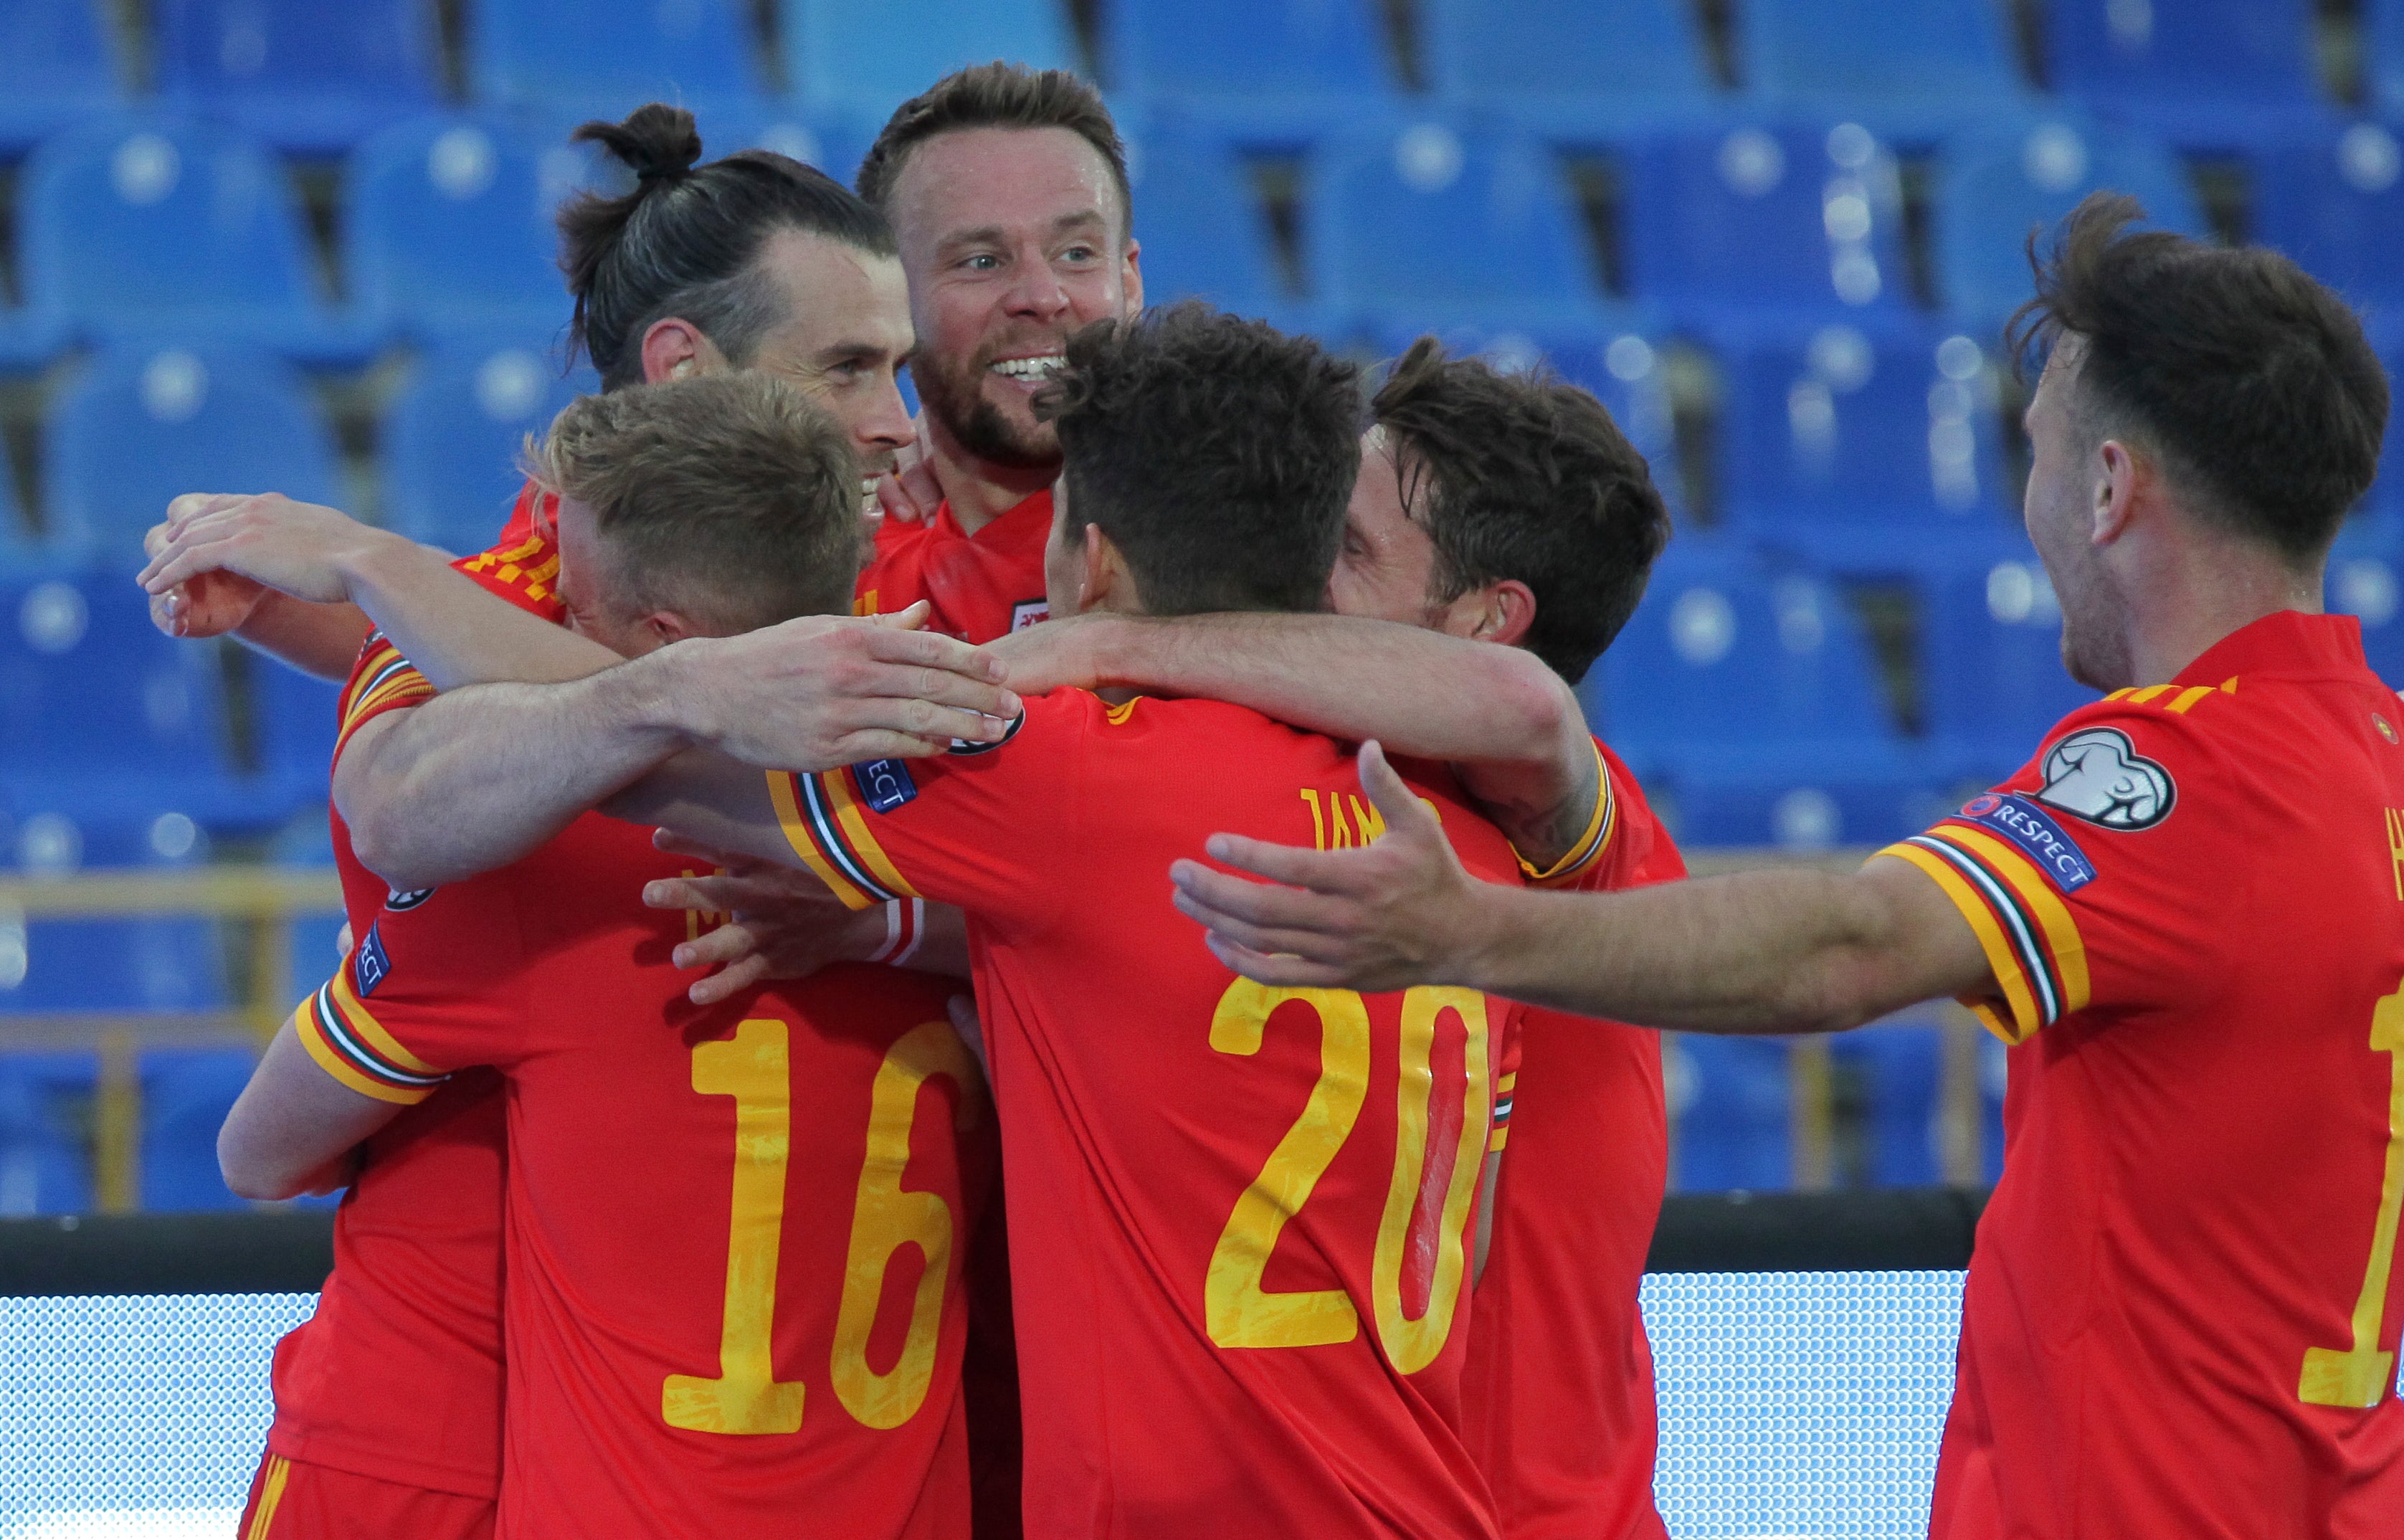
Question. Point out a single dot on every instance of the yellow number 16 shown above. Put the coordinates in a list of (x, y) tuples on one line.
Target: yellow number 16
[(2360, 1375)]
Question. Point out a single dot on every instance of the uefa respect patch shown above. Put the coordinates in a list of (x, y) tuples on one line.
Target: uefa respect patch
[(885, 784), (2030, 827), (370, 966)]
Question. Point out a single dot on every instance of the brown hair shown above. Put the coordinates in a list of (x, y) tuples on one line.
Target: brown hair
[(1525, 477), (685, 242), (1216, 453), (2251, 383), (995, 95), (728, 497)]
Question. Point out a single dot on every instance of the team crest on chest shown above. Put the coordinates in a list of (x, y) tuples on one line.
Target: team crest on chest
[(2098, 776)]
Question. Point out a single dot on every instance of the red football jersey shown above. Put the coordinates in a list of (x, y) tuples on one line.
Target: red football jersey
[(734, 1234), (1558, 1397), (535, 512), (978, 586), (398, 1373), (1240, 1217), (2181, 1316)]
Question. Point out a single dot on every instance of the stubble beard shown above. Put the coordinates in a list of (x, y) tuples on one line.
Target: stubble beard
[(954, 396)]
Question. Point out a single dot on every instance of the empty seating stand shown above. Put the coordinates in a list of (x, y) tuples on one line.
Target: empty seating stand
[(868, 59), (304, 75), (1731, 1113), (57, 68), (450, 441), (1278, 69), (571, 61), (1574, 71), (449, 231), (1912, 70), (2214, 76)]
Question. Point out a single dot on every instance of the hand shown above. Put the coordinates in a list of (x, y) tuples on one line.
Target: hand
[(826, 690), (1385, 915), (210, 605), (1065, 653), (780, 923), (963, 1012), (909, 492), (299, 549)]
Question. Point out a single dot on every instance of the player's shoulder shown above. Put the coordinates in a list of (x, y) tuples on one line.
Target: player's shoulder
[(524, 571), (1646, 853), (2124, 762)]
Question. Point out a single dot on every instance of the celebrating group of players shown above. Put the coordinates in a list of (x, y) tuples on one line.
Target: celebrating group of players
[(1182, 1229)]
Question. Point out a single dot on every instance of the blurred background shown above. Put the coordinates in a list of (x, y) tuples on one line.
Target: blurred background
[(294, 245)]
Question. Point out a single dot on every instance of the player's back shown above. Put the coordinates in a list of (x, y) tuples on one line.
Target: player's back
[(2181, 1317), (1240, 1217), (734, 1232)]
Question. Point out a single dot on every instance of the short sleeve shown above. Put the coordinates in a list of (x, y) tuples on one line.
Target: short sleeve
[(2087, 875), (983, 829), (1506, 1074), (1624, 845), (427, 990)]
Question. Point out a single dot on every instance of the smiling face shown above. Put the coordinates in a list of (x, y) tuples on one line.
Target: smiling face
[(1013, 239), (844, 341)]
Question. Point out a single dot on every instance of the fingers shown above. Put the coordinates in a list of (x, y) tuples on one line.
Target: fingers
[(1255, 903), (1263, 939), (685, 893), (1322, 871), (192, 505), (1400, 806), (917, 481), (1289, 972), (682, 844), (896, 639), (904, 620), (727, 944), (729, 983), (894, 500), (879, 744)]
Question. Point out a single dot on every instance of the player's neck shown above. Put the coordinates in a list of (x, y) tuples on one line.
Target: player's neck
[(979, 490), (2196, 603)]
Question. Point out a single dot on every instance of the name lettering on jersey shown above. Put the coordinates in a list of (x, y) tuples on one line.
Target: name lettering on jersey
[(1328, 829), (885, 784), (2098, 776), (370, 966), (2395, 848), (696, 920), (2026, 825), (1026, 612)]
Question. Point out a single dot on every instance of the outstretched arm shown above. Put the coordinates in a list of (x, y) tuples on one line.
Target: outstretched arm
[(294, 1127), (1758, 952), (1508, 724)]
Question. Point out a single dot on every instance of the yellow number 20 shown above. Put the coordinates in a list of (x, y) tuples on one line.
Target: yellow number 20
[(1237, 1310)]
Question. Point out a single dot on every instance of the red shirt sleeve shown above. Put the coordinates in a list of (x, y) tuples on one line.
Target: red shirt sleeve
[(986, 830), (2084, 875), (1624, 845), (427, 990)]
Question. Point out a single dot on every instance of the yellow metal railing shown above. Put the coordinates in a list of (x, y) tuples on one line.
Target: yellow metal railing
[(264, 897), (268, 897)]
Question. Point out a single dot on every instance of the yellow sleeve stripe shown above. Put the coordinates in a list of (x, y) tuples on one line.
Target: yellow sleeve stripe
[(1991, 940), (1590, 845), (371, 1030), (2067, 947), (798, 835), (2186, 700), (2181, 703), (335, 1037), (1508, 1084), (861, 841), (1502, 1136), (2140, 697)]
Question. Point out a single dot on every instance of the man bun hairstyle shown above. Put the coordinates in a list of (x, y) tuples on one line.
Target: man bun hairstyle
[(996, 95), (2251, 383), (1217, 453), (729, 498), (686, 239), (1523, 476)]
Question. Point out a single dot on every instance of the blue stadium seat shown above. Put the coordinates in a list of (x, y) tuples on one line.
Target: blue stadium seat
[(1910, 69), (293, 717), (101, 714), (46, 1104), (299, 74), (1571, 69), (451, 438), (1991, 677), (579, 61), (1902, 1065), (876, 57), (2336, 204), (2382, 47), (140, 427), (1857, 448), (1756, 225), (2207, 75), (18, 547), (1994, 188), (312, 942), (1731, 1110), (56, 68), (449, 231), (1204, 229), (1748, 697), (1436, 225), (1282, 64), (29, 339), (141, 227), (150, 964), (1623, 369), (185, 1094)]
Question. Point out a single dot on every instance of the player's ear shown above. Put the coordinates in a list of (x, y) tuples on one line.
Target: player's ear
[(2121, 478), (674, 348), (1131, 274), (1098, 564), (662, 626), (1498, 612)]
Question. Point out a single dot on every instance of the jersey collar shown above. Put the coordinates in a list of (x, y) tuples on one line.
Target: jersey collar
[(2288, 641), (1035, 509)]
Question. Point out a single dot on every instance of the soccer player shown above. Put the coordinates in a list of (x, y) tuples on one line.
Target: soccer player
[(733, 1234), (388, 1401), (1507, 509), (1008, 191), (2186, 914), (1241, 1220)]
